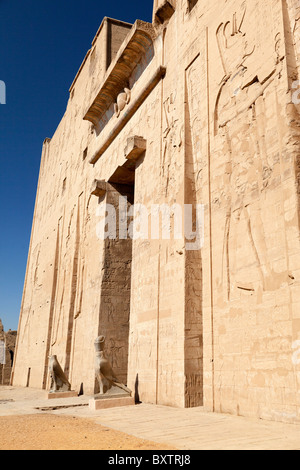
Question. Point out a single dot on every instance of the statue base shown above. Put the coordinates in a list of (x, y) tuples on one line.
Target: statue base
[(55, 395), (102, 402)]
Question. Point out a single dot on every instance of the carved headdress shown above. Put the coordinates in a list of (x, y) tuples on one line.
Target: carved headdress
[(232, 42)]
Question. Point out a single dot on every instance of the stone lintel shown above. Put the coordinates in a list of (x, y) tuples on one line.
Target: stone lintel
[(135, 46), (135, 147), (135, 104)]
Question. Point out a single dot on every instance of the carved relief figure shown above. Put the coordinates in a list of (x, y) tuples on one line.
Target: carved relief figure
[(297, 36), (193, 99), (240, 118), (37, 274), (105, 375), (36, 281), (59, 382), (122, 100), (58, 322), (172, 138)]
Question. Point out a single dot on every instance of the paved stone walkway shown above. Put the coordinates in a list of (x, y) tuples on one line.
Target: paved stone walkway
[(185, 429)]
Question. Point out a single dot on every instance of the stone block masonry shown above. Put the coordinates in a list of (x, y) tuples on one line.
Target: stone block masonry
[(200, 108)]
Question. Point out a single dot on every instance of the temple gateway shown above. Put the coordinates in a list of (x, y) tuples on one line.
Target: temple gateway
[(197, 110)]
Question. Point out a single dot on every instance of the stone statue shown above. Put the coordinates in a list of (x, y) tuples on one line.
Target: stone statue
[(108, 383), (59, 382)]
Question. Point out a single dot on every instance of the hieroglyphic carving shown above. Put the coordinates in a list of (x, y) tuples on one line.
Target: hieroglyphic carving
[(172, 138), (194, 126), (36, 255), (64, 272), (117, 354), (296, 33), (59, 312), (81, 257), (240, 119), (35, 279), (193, 259)]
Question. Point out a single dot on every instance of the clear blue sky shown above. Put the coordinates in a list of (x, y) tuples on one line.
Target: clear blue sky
[(42, 45)]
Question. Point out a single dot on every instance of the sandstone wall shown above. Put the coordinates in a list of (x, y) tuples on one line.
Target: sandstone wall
[(60, 309), (212, 94)]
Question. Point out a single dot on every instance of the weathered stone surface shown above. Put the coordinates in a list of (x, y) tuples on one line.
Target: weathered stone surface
[(59, 381), (61, 395), (163, 10), (135, 148), (98, 188), (214, 94), (7, 351), (109, 384), (103, 404)]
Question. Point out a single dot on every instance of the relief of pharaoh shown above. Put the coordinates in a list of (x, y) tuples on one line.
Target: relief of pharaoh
[(240, 127)]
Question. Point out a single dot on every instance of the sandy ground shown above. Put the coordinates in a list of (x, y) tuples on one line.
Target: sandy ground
[(52, 432), (29, 420)]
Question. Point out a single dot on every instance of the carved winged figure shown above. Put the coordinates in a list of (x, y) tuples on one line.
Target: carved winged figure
[(122, 100)]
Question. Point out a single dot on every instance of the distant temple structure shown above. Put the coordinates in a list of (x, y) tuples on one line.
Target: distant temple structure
[(198, 110), (7, 351)]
